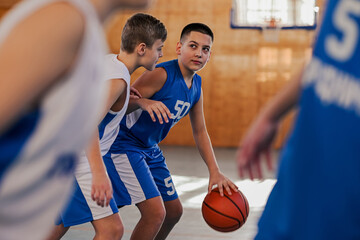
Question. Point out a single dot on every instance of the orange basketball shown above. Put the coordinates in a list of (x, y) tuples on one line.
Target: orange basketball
[(227, 213)]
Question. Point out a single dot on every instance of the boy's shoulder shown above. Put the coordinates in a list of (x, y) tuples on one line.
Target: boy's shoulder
[(112, 60), (173, 62), (114, 68), (168, 69)]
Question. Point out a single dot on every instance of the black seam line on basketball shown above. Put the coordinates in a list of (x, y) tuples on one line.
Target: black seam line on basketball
[(236, 206), (223, 228), (246, 203), (223, 214)]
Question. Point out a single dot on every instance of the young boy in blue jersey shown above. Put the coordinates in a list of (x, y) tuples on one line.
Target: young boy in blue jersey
[(135, 163), (317, 195), (50, 103), (142, 41)]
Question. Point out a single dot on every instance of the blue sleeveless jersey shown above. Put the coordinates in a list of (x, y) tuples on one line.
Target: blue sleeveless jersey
[(317, 195), (139, 131)]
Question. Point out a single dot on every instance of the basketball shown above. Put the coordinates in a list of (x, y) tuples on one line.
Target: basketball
[(227, 213)]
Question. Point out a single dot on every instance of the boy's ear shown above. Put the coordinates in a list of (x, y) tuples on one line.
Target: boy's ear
[(178, 48), (141, 49)]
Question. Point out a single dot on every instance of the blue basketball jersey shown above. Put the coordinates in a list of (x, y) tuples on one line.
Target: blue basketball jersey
[(317, 195), (139, 131)]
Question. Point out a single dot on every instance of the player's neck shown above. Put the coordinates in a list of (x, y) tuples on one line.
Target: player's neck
[(187, 73), (129, 60)]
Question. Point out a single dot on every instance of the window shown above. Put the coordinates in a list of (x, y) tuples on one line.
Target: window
[(284, 13)]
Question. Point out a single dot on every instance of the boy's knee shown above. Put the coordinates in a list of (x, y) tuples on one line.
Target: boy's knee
[(118, 232), (174, 214), (155, 215), (159, 215), (111, 232)]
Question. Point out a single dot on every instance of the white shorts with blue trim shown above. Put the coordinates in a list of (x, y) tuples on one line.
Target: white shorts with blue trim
[(82, 208)]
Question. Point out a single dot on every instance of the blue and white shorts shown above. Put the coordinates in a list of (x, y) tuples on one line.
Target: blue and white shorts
[(138, 175), (82, 208)]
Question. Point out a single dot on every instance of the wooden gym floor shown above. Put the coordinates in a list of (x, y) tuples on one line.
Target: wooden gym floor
[(191, 178)]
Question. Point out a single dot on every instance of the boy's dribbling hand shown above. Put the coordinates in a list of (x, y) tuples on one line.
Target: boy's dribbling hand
[(222, 182)]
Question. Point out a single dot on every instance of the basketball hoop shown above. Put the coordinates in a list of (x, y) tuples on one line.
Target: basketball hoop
[(271, 30)]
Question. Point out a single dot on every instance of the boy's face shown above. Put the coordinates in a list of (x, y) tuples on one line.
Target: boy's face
[(153, 54), (194, 50)]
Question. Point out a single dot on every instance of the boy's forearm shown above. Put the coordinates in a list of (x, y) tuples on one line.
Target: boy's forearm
[(206, 151), (93, 154), (133, 105)]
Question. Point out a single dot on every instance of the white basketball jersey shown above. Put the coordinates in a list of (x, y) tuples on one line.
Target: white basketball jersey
[(110, 125), (36, 181)]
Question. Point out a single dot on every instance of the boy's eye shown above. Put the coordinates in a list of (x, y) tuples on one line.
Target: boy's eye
[(206, 49)]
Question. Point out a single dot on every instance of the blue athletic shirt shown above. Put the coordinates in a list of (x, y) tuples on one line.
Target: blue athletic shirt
[(139, 131), (317, 195)]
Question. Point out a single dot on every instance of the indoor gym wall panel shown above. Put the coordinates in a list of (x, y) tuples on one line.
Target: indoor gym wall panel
[(243, 73)]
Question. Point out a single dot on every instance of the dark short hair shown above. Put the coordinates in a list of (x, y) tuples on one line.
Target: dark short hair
[(196, 27), (141, 28)]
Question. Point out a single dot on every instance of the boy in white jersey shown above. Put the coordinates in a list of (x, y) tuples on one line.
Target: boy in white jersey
[(50, 99), (141, 45)]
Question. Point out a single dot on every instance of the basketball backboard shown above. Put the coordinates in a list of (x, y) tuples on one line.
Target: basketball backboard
[(284, 14)]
